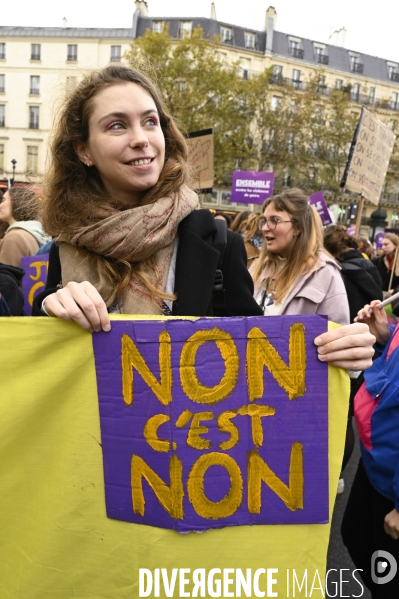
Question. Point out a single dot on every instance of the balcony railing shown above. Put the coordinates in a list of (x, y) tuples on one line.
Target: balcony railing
[(322, 58), (35, 56), (2, 121), (357, 67), (296, 84), (33, 124), (72, 57), (296, 52), (183, 33), (34, 91), (227, 39)]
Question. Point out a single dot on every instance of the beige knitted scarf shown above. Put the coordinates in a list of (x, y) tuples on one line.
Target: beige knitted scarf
[(134, 235)]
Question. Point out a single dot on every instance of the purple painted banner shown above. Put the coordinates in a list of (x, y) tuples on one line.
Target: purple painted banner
[(214, 422), (251, 187), (34, 280), (318, 201)]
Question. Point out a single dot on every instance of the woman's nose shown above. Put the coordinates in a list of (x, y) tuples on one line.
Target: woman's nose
[(138, 138)]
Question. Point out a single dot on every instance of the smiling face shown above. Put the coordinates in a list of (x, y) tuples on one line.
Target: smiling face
[(126, 143), (281, 239), (387, 246), (6, 210)]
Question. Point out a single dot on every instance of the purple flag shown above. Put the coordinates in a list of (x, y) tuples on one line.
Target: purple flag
[(34, 280)]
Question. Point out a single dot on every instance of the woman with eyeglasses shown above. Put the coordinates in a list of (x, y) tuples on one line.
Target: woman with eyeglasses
[(294, 274)]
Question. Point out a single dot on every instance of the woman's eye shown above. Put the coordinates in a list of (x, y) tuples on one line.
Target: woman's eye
[(152, 121), (115, 125)]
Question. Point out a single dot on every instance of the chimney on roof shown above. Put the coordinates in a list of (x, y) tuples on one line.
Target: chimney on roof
[(142, 6), (64, 22), (338, 37), (270, 24), (213, 11)]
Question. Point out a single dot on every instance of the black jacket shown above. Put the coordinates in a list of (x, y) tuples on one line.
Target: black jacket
[(362, 280), (10, 281), (385, 274), (196, 264)]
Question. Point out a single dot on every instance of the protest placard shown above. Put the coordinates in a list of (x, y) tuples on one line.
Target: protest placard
[(369, 157), (200, 157), (227, 439), (34, 280), (318, 201), (251, 187)]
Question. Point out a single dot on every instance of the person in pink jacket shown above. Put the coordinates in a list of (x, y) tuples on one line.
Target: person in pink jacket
[(294, 274)]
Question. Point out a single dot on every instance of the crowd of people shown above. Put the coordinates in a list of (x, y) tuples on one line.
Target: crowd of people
[(130, 238)]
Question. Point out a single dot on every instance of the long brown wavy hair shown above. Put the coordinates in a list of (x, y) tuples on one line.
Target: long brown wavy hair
[(303, 254), (74, 195)]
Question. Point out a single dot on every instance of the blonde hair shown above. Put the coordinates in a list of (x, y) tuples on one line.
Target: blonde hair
[(302, 255)]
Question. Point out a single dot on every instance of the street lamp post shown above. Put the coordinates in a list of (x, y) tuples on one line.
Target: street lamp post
[(13, 162)]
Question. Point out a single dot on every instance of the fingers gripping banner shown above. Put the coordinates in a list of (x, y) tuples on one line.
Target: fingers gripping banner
[(57, 540)]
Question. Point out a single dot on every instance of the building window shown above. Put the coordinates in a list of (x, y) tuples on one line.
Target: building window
[(1, 158), (2, 115), (2, 51), (277, 76), (158, 26), (34, 117), (34, 85), (276, 102), (321, 55), (116, 53), (339, 83), (2, 84), (245, 65), (295, 49), (392, 71), (322, 84), (35, 50), (72, 54), (372, 95), (355, 92), (185, 29), (290, 143), (296, 79), (226, 198), (356, 64), (226, 34), (210, 198), (395, 101), (32, 161), (250, 40)]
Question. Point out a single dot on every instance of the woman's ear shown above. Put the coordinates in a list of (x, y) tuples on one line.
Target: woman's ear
[(82, 153)]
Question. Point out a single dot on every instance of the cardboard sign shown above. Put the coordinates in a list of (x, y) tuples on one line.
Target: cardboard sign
[(251, 187), (214, 423), (34, 280), (369, 157), (55, 533), (200, 156)]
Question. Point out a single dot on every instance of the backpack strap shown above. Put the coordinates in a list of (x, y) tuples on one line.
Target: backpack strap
[(219, 242)]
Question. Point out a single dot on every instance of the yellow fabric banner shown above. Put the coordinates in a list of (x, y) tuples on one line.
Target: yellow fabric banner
[(56, 541)]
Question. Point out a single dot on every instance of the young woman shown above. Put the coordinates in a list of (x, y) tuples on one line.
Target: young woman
[(24, 234), (385, 263), (129, 235), (293, 274)]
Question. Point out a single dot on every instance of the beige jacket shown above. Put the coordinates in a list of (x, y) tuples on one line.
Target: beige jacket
[(16, 244)]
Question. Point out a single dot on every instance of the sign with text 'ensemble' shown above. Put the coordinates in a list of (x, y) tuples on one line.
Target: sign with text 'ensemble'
[(214, 422), (251, 187), (34, 279), (369, 157), (318, 201)]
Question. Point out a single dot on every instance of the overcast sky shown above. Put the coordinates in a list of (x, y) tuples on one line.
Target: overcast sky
[(372, 31)]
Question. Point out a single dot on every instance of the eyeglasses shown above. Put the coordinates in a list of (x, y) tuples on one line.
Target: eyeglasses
[(271, 222)]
